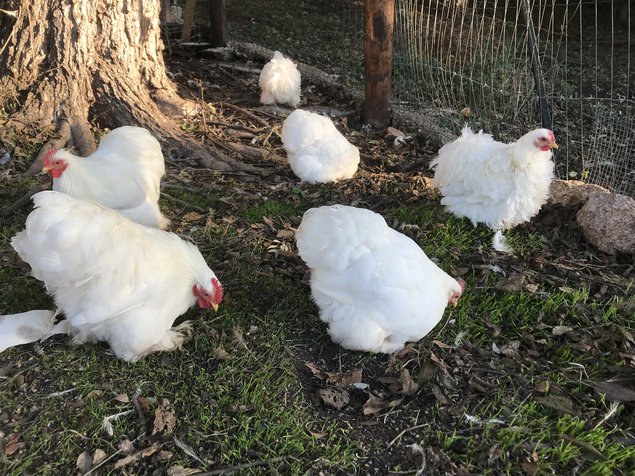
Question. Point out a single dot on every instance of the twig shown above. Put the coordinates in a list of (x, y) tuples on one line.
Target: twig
[(251, 115), (404, 432), (23, 200), (238, 467)]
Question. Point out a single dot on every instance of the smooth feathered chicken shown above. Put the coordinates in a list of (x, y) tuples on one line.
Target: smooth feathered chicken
[(374, 286), (115, 280), (500, 185), (280, 81), (124, 174), (316, 150)]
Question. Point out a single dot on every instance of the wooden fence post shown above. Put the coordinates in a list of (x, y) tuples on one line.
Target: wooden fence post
[(217, 22), (379, 19)]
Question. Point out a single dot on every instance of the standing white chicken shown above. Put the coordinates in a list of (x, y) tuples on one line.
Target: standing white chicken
[(115, 280), (500, 185), (280, 81), (374, 286), (316, 150), (124, 174)]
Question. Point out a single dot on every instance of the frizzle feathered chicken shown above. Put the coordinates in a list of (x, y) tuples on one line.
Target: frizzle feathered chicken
[(279, 81), (500, 185)]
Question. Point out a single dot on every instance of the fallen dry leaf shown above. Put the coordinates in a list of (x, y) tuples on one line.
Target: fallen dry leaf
[(560, 403), (13, 444), (614, 392), (344, 379), (133, 458), (164, 419), (560, 330), (122, 397), (98, 456), (375, 404), (530, 464), (334, 397), (84, 462), (404, 385), (181, 471)]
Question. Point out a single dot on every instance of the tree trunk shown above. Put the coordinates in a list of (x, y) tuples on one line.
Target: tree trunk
[(100, 61)]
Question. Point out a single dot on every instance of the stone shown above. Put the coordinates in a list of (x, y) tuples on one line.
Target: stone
[(572, 193), (608, 222)]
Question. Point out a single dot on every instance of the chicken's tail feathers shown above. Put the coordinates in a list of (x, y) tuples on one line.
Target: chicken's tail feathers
[(499, 242), (27, 327)]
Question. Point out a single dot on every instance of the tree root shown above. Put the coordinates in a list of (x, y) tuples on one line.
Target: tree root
[(24, 200)]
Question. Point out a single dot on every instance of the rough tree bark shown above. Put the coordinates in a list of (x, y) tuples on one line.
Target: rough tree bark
[(77, 61)]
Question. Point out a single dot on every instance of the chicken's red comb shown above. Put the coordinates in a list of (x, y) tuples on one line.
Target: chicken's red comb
[(552, 138), (49, 155), (462, 284), (218, 290)]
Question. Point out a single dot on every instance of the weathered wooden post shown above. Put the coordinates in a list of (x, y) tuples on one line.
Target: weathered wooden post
[(379, 19), (217, 22), (188, 19)]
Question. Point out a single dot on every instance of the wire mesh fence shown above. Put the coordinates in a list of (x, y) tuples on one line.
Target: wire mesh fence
[(488, 63)]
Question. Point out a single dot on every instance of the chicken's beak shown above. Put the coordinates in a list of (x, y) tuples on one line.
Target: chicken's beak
[(215, 307), (553, 145), (45, 170)]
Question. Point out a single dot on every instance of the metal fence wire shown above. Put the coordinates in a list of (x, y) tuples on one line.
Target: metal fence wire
[(488, 63)]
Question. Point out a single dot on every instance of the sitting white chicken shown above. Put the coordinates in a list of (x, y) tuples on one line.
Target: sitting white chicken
[(374, 286), (124, 174), (115, 280), (500, 185), (316, 150), (280, 81)]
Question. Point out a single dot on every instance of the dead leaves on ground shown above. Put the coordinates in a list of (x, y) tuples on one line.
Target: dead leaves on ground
[(347, 390)]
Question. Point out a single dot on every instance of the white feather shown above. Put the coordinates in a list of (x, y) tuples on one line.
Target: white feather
[(280, 81), (115, 280), (499, 243), (124, 174), (316, 150), (374, 286)]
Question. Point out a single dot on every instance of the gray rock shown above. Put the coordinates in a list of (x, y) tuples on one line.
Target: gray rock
[(608, 222), (572, 193)]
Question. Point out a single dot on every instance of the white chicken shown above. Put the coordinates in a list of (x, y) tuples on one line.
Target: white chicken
[(316, 150), (124, 174), (500, 185), (374, 286), (280, 81), (115, 280)]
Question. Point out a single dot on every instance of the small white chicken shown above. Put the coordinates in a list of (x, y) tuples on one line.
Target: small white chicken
[(124, 174), (317, 152), (500, 185), (115, 280), (280, 81), (374, 286)]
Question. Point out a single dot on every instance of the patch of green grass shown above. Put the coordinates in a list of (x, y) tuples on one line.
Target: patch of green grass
[(204, 201), (269, 208)]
